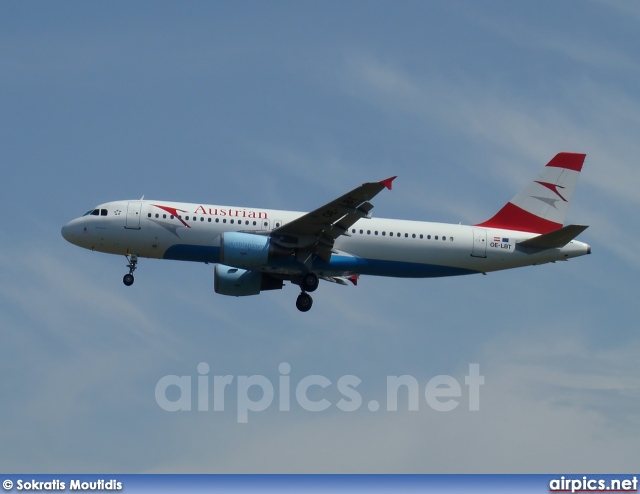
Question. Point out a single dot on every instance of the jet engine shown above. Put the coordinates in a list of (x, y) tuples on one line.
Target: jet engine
[(249, 250), (238, 282)]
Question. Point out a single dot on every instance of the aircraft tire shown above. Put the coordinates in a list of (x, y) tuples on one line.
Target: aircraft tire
[(309, 282), (304, 302), (128, 279)]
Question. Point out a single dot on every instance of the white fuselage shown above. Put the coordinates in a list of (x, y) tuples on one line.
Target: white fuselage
[(376, 246)]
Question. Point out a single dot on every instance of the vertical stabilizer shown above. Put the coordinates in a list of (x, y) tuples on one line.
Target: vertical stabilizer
[(542, 206)]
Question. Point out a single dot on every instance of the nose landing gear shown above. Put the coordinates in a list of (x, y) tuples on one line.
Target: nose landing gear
[(133, 264)]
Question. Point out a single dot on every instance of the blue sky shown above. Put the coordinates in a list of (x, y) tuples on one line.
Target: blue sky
[(288, 105)]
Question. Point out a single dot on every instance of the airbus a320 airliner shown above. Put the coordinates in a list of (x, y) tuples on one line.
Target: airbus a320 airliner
[(259, 249)]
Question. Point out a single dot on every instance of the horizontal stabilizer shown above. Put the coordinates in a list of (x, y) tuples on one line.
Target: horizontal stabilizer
[(555, 239)]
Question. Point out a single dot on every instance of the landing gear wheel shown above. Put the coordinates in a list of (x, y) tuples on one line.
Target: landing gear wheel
[(304, 302), (309, 282), (133, 264)]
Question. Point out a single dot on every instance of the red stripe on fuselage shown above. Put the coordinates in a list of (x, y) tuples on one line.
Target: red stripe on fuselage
[(511, 217), (570, 161), (174, 212)]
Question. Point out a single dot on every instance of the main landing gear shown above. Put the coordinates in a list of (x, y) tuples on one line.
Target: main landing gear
[(133, 264), (308, 283), (304, 302)]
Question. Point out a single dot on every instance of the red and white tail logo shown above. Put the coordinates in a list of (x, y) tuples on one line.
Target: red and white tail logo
[(542, 206)]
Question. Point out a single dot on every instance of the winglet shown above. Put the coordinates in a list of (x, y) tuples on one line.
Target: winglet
[(354, 277), (387, 182)]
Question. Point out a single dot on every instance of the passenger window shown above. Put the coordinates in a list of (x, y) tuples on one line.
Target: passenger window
[(202, 219), (421, 236), (157, 215), (164, 216), (186, 218), (148, 215), (436, 237), (209, 220), (413, 236)]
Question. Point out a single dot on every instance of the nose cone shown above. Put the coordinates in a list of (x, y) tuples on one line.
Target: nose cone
[(67, 232), (71, 232)]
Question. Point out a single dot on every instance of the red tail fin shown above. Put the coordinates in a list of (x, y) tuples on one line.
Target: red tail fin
[(542, 206)]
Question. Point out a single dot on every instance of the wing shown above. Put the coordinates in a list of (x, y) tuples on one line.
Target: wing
[(315, 232)]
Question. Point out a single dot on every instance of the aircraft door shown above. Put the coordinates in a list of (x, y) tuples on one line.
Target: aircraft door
[(479, 243), (133, 215)]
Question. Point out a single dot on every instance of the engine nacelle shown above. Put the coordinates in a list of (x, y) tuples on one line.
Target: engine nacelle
[(238, 282), (249, 250)]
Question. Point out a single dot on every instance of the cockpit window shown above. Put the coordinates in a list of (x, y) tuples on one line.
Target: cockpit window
[(96, 212)]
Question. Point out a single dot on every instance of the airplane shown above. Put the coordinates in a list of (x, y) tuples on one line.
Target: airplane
[(255, 249)]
